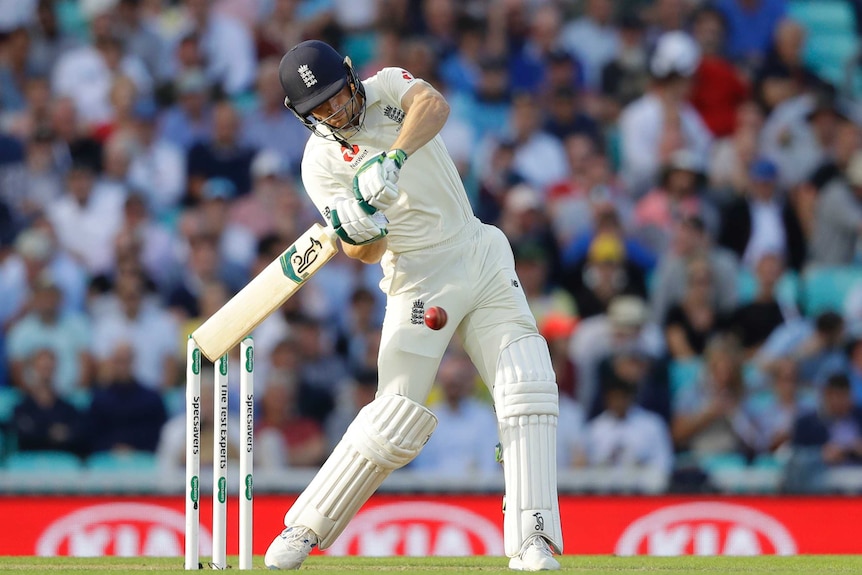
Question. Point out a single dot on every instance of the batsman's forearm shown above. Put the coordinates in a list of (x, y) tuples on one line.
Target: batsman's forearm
[(366, 253), (424, 120)]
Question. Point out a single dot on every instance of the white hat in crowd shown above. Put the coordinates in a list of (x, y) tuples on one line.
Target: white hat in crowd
[(675, 53)]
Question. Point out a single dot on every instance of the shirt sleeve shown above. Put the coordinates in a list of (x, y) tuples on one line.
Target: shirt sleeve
[(320, 185), (393, 83)]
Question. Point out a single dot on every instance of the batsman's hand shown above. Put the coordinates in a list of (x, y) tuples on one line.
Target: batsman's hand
[(357, 224), (376, 182)]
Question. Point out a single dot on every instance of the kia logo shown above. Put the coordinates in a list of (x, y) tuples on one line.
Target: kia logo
[(419, 529), (709, 528), (121, 529)]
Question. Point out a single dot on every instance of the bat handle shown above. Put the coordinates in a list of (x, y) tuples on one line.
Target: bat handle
[(330, 233)]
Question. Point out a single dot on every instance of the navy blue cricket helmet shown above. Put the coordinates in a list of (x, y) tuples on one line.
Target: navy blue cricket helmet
[(311, 73)]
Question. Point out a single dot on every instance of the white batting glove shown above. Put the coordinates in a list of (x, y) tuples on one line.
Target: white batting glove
[(354, 224), (376, 181)]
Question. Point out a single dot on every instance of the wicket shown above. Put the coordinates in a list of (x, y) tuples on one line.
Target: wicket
[(220, 456)]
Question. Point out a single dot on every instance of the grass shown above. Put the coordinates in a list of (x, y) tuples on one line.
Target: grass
[(583, 565)]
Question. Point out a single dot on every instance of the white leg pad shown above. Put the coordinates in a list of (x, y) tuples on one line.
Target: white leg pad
[(527, 404), (388, 433)]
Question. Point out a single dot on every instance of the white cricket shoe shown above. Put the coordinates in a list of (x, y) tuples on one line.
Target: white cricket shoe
[(535, 555), (290, 548)]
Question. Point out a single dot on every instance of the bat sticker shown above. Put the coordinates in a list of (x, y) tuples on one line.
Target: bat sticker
[(295, 265)]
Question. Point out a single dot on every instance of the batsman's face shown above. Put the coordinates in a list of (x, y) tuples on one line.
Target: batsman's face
[(339, 111)]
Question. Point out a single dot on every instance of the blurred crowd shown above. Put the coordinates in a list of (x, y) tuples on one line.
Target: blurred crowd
[(676, 179)]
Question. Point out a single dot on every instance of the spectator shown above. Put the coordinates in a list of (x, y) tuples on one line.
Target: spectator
[(603, 275), (759, 222), (607, 220), (43, 420), (529, 60), (646, 374), (576, 205), (73, 140), (48, 40), (626, 324), (593, 39), (557, 329), (157, 169), (14, 65), (35, 254), (151, 244), (140, 36), (678, 195), (227, 45), (190, 119), (566, 116), (270, 125), (524, 219), (786, 400), (123, 414), (838, 218), (359, 393), (273, 207), (817, 344), (136, 318), (847, 140), (627, 437), (751, 24), (47, 327), (200, 269), (354, 333), (100, 63), (692, 322), (625, 78), (733, 154), (753, 322), (321, 369), (280, 420), (462, 446), (718, 88), (800, 132), (799, 218), (534, 274), (223, 156), (41, 182), (488, 110), (827, 438), (236, 245), (662, 121), (785, 62), (539, 157), (854, 369), (86, 219), (690, 240), (710, 416)]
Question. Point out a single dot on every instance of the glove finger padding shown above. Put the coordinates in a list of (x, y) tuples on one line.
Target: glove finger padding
[(375, 183), (354, 225)]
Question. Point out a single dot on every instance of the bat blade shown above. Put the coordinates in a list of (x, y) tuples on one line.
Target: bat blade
[(266, 292)]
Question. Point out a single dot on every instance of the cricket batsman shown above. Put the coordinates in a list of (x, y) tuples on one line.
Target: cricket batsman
[(379, 173)]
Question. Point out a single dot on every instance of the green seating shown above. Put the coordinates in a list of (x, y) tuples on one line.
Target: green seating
[(823, 17), (826, 288), (80, 398), (9, 398), (683, 374), (30, 461), (124, 461), (787, 289)]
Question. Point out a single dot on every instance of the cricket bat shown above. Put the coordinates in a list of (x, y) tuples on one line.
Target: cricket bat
[(266, 292)]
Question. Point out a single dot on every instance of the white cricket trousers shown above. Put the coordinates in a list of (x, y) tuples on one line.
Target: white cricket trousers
[(471, 276)]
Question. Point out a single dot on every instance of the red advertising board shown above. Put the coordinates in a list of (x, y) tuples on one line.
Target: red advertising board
[(446, 525)]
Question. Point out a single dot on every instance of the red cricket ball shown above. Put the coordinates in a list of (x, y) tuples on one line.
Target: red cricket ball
[(435, 317)]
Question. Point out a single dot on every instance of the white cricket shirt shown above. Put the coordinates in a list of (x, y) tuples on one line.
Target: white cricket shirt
[(433, 204)]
